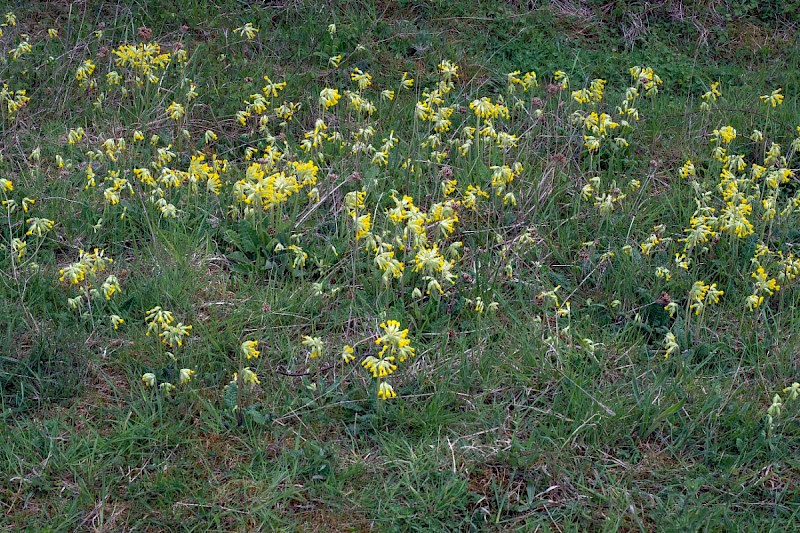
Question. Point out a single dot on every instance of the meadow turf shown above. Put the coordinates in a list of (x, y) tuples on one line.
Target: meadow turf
[(342, 300)]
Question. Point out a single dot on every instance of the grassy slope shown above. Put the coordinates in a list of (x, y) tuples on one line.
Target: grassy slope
[(494, 430)]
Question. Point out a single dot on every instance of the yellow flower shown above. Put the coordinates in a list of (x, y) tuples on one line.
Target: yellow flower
[(774, 99), (483, 108), (793, 391), (249, 349), (596, 89), (156, 317), (363, 79), (315, 346), (726, 134), (753, 302), (395, 340), (75, 136), (39, 226), (448, 70), (348, 353), (363, 225), (84, 71), (406, 81), (149, 379), (110, 287), (582, 96), (173, 335), (248, 31), (763, 284), (379, 367), (335, 60), (775, 408), (19, 247), (385, 391), (713, 294), (670, 345), (175, 111), (711, 96), (561, 79), (186, 375), (592, 143), (26, 203), (329, 97), (248, 376), (698, 294), (663, 273), (116, 321)]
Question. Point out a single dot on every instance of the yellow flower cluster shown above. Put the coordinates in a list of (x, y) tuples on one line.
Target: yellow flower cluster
[(89, 263), (703, 294), (161, 321), (792, 393), (250, 349), (145, 59), (395, 348), (14, 99), (710, 96), (526, 82)]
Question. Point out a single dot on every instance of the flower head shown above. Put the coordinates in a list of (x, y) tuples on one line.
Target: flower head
[(348, 353), (186, 375), (775, 98), (385, 391), (39, 226), (248, 31), (315, 346), (116, 321), (249, 349)]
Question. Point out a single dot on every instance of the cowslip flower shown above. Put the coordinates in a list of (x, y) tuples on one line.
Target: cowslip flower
[(186, 375), (362, 79), (329, 97), (39, 226), (334, 61), (149, 379), (175, 111), (670, 345), (249, 349), (379, 368), (116, 321), (248, 376), (385, 391), (174, 335), (793, 391), (775, 98), (19, 247), (110, 287), (406, 82), (348, 353), (726, 134), (315, 346), (248, 31)]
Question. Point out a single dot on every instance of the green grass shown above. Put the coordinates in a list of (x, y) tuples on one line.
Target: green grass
[(514, 418)]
